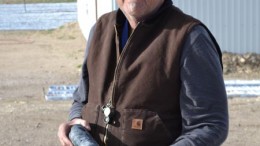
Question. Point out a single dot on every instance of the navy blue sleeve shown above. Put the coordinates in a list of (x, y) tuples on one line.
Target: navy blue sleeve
[(81, 93), (203, 99)]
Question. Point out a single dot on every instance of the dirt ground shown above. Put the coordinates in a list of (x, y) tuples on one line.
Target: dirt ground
[(30, 61)]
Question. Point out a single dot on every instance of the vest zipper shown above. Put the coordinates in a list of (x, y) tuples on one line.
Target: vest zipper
[(119, 63), (111, 100)]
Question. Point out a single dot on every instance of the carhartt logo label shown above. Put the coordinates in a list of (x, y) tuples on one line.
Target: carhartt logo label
[(137, 124)]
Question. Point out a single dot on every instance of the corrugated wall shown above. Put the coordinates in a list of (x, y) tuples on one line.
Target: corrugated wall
[(234, 23)]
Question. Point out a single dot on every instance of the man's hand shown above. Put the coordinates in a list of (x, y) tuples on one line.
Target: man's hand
[(65, 127)]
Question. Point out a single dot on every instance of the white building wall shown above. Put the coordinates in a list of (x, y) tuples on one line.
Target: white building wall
[(234, 23), (90, 10)]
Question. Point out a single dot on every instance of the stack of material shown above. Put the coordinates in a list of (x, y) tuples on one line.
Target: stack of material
[(243, 88), (234, 88), (60, 92)]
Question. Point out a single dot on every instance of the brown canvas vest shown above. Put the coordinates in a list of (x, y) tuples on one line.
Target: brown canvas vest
[(143, 81)]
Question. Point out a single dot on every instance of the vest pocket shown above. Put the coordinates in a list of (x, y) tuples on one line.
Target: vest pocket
[(143, 128)]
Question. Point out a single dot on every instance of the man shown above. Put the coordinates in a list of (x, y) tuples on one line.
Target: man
[(151, 76)]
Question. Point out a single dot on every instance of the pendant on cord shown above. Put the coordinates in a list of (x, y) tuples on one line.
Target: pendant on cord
[(108, 112)]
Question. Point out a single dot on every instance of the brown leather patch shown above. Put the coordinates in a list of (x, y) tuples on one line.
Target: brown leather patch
[(137, 124)]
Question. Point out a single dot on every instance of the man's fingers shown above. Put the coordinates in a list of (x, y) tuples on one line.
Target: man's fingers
[(61, 139), (61, 142), (67, 142), (81, 122), (85, 124), (64, 130), (62, 134)]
